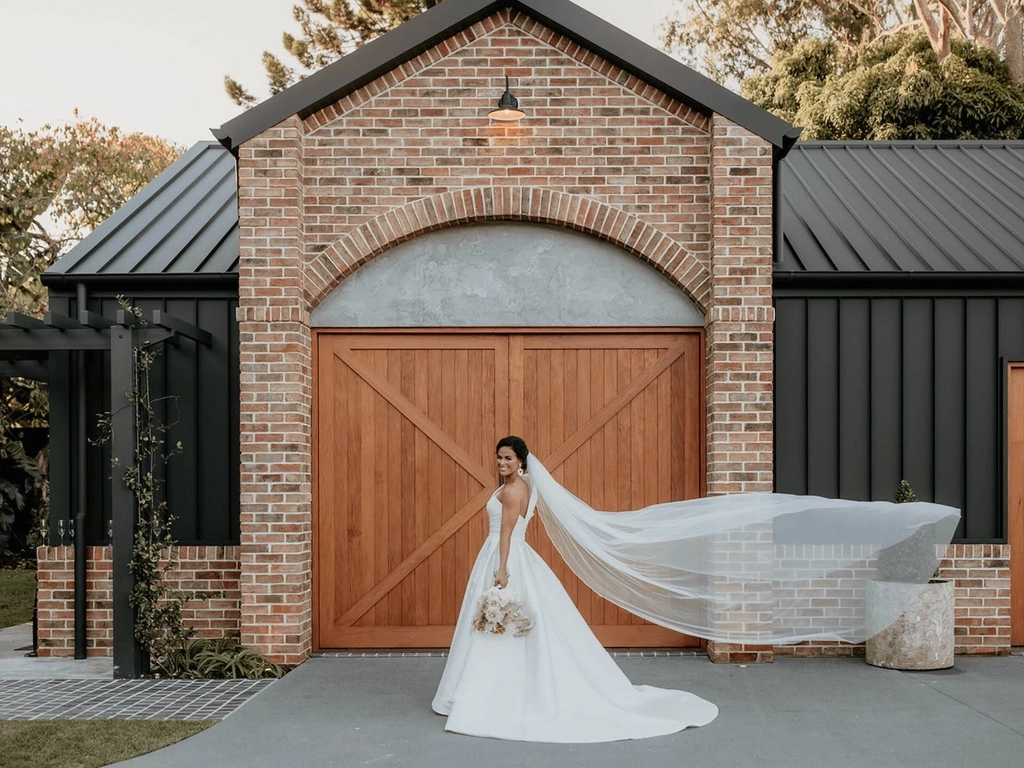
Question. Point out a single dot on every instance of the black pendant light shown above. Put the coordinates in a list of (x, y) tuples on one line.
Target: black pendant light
[(508, 107)]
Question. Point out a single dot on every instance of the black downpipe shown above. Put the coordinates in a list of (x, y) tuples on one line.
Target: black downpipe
[(80, 496)]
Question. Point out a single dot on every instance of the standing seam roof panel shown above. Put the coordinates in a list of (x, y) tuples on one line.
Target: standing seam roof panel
[(936, 207), (183, 222)]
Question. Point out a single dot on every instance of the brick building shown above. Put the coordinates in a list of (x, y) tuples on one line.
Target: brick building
[(415, 280)]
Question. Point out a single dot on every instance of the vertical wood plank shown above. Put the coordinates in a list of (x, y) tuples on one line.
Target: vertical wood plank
[(516, 391), (395, 500), (1015, 498), (407, 452), (586, 408), (368, 499)]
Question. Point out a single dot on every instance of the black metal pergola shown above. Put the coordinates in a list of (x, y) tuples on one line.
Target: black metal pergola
[(25, 346)]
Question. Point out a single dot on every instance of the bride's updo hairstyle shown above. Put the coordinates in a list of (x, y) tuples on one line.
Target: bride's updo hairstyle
[(518, 446)]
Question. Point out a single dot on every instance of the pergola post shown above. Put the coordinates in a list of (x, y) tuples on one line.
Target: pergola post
[(128, 653)]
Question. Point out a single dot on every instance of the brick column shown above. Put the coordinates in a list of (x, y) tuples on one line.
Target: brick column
[(740, 362), (276, 398)]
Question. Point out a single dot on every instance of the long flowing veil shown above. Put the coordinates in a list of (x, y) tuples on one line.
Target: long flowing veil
[(758, 568)]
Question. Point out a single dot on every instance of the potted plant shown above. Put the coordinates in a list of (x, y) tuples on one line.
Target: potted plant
[(922, 635)]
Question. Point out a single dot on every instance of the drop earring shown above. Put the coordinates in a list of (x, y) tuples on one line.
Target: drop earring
[(520, 471)]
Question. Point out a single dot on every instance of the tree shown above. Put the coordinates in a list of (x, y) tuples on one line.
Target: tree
[(994, 24), (329, 29), (56, 185), (732, 39), (895, 89)]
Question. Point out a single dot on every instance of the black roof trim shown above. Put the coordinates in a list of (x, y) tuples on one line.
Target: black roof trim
[(946, 281), (196, 281), (450, 17)]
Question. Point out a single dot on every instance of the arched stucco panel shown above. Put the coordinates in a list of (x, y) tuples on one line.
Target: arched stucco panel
[(497, 274), (632, 234)]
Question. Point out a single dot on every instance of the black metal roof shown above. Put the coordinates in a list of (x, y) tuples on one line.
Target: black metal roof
[(927, 208), (183, 223), (452, 16), (851, 210)]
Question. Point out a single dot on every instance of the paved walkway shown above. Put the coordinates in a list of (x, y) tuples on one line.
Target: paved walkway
[(797, 713), (357, 710), (51, 689), (14, 643), (125, 699)]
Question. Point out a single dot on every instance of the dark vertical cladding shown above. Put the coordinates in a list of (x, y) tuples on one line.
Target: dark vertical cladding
[(919, 384), (854, 399), (950, 395), (872, 389), (983, 417), (823, 388), (195, 392), (791, 394), (886, 413)]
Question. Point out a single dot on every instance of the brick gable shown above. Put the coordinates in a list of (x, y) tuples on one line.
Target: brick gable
[(412, 151)]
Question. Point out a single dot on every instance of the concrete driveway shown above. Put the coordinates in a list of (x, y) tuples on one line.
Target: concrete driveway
[(813, 713)]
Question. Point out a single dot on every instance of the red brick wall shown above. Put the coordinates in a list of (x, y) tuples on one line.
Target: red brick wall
[(981, 573), (203, 569), (982, 608)]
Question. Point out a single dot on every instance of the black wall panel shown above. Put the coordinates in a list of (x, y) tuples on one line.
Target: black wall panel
[(195, 392), (874, 388), (822, 397)]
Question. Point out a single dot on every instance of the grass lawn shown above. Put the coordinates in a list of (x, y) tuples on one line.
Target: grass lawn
[(17, 593), (87, 743)]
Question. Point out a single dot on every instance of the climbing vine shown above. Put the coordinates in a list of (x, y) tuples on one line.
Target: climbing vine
[(169, 643)]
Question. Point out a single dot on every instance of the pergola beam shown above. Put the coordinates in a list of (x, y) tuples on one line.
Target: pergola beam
[(45, 339), (61, 321), (179, 326), (161, 319), (92, 320), (19, 320)]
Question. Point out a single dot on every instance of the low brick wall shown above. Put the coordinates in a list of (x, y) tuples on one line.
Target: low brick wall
[(981, 573), (203, 569)]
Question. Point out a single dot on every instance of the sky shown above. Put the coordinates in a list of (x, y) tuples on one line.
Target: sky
[(158, 66)]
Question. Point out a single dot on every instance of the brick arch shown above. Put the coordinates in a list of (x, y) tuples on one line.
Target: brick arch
[(546, 206)]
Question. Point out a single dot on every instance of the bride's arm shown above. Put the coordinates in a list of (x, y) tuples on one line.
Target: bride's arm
[(511, 507)]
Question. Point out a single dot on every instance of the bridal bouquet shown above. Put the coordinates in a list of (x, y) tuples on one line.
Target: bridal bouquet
[(500, 612)]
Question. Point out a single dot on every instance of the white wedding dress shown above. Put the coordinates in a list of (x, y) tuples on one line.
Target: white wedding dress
[(556, 683)]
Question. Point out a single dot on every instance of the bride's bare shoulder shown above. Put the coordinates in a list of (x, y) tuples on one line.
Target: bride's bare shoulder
[(514, 492)]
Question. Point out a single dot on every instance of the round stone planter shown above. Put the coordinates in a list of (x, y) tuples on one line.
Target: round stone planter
[(922, 636)]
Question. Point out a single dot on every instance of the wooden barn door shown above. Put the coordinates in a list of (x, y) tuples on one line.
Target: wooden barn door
[(406, 426), (618, 419), (1015, 500)]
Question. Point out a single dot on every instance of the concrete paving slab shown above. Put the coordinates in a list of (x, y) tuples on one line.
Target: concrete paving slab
[(14, 665), (797, 713), (15, 640)]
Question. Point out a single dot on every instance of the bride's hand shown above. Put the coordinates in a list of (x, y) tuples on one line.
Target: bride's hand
[(501, 579)]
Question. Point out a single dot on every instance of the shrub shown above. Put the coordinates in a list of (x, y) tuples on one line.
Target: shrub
[(219, 659)]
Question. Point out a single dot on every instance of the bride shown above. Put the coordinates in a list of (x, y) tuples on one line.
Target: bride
[(556, 683), (664, 563)]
